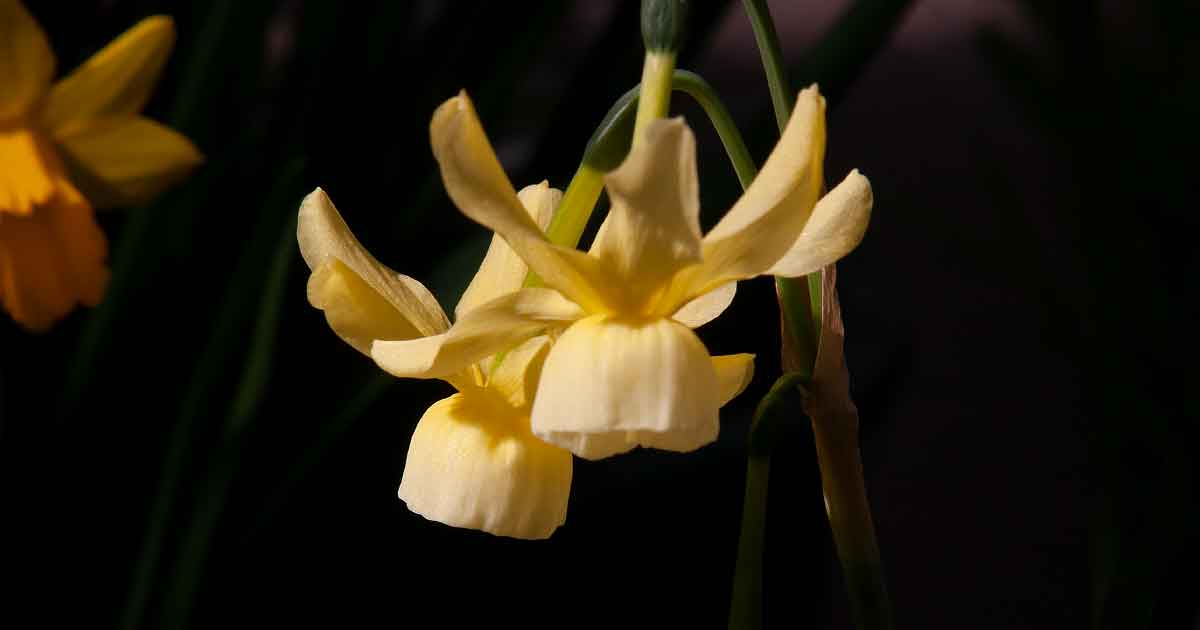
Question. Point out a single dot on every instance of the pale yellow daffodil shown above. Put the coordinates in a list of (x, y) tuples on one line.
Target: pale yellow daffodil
[(473, 461), (629, 371), (82, 133)]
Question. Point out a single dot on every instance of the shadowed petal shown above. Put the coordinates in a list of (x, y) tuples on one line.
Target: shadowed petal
[(127, 161), (515, 379), (734, 373), (489, 329), (115, 82), (766, 220), (836, 227), (707, 307), (502, 271), (479, 188), (348, 280), (26, 61), (653, 228)]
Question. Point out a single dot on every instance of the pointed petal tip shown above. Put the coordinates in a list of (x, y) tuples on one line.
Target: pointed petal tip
[(318, 195), (159, 27)]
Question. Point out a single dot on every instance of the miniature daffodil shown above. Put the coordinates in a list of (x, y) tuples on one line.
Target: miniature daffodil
[(629, 371), (70, 146), (473, 461)]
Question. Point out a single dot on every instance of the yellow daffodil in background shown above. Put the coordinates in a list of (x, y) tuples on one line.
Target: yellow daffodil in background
[(473, 461), (628, 370), (67, 147)]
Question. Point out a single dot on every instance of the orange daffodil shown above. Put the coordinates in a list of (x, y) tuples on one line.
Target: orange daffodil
[(473, 461), (625, 368), (52, 252)]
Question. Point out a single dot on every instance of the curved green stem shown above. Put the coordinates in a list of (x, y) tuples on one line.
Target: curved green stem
[(836, 438), (799, 298), (610, 144), (772, 59), (745, 608), (696, 87)]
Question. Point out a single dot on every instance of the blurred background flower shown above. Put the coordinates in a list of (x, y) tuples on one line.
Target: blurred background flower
[(70, 146), (1015, 320)]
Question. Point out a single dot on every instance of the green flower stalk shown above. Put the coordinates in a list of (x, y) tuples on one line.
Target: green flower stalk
[(662, 31), (813, 334)]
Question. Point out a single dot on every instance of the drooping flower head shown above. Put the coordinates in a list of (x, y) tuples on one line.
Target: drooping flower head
[(629, 371), (473, 461), (67, 147)]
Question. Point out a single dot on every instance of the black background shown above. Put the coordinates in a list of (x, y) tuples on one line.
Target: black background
[(1018, 325)]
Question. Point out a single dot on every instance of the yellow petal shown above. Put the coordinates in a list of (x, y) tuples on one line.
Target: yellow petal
[(502, 271), (707, 307), (516, 377), (126, 161), (477, 184), (653, 228), (734, 373), (765, 221), (354, 310), (28, 169), (115, 82), (487, 330), (610, 384), (26, 61), (52, 260), (836, 227), (475, 465), (355, 288)]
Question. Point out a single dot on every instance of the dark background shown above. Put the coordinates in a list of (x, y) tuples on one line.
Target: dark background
[(1019, 326)]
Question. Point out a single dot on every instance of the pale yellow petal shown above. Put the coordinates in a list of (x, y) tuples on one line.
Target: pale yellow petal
[(836, 227), (354, 310), (126, 161), (761, 226), (502, 271), (515, 378), (477, 184), (28, 170), (475, 465), (325, 237), (489, 329), (653, 228), (115, 82), (611, 384), (26, 62), (734, 373), (707, 307)]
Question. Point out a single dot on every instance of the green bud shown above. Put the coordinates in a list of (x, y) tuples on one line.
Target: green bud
[(609, 145), (663, 24)]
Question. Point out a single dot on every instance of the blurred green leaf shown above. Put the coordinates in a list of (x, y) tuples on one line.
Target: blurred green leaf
[(188, 571), (208, 369)]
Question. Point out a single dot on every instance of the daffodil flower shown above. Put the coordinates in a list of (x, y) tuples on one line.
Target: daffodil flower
[(473, 461), (628, 370), (52, 252)]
